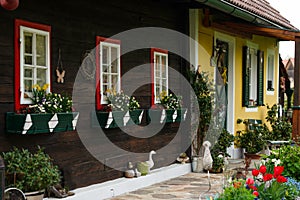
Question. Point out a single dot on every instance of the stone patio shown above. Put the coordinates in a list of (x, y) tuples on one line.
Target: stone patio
[(189, 186)]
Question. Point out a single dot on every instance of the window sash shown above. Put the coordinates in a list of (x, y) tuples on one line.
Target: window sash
[(160, 75), (34, 61), (110, 69), (270, 71), (253, 77)]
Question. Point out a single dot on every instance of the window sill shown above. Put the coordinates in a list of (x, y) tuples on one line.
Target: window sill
[(270, 92), (251, 109)]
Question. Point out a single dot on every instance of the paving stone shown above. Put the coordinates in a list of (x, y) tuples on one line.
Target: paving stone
[(164, 196)]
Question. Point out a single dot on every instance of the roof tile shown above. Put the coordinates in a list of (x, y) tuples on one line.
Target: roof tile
[(263, 9)]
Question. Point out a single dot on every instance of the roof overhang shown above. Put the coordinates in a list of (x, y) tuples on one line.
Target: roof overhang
[(249, 29), (254, 25)]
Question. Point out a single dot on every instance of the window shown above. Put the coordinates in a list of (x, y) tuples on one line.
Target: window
[(109, 68), (159, 60), (32, 59), (253, 68), (270, 70)]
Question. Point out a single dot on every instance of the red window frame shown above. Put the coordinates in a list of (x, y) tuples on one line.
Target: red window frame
[(100, 39), (18, 23), (153, 50)]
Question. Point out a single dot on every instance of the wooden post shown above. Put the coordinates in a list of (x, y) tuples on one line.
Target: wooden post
[(296, 108)]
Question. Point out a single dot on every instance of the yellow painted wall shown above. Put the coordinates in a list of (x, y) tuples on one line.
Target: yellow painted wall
[(206, 38)]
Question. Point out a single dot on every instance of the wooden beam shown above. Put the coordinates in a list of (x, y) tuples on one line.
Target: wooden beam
[(258, 30), (296, 108), (231, 30)]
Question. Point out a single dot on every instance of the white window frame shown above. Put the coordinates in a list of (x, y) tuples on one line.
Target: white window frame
[(109, 73), (161, 78), (270, 71), (35, 32)]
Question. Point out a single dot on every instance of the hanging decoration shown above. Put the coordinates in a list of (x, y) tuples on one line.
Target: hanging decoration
[(220, 58), (60, 72), (9, 4)]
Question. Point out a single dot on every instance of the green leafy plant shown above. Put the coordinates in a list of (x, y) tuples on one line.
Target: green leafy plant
[(170, 101), (203, 89), (252, 140), (219, 151), (289, 157), (281, 127), (237, 191), (44, 102), (30, 171)]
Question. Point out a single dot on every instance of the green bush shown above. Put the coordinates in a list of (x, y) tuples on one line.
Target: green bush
[(30, 171)]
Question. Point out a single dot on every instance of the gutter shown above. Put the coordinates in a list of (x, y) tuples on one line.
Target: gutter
[(238, 12)]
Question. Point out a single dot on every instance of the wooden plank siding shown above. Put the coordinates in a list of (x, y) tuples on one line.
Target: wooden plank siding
[(75, 25)]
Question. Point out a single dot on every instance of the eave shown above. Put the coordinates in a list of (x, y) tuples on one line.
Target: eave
[(247, 30)]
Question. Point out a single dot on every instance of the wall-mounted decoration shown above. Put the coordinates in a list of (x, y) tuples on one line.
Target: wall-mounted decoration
[(88, 65), (9, 4), (60, 72)]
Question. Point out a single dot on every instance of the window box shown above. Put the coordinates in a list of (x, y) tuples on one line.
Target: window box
[(114, 119), (40, 123), (166, 115)]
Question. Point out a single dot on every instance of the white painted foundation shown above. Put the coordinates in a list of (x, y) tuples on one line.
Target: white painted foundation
[(123, 185)]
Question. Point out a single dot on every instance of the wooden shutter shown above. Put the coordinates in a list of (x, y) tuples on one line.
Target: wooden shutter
[(260, 78), (245, 76)]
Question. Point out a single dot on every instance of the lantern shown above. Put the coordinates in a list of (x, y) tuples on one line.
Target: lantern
[(2, 175), (9, 4)]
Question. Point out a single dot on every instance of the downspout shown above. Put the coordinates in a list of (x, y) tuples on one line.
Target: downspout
[(236, 11)]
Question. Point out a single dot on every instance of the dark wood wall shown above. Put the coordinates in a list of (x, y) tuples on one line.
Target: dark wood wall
[(75, 25)]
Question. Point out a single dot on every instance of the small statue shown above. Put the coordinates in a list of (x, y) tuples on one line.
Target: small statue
[(207, 159)]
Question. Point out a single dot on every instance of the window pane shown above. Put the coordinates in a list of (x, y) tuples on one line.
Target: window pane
[(28, 85), (114, 60), (163, 71), (114, 79), (41, 50), (28, 73), (28, 60), (105, 78), (41, 76), (104, 55), (28, 42)]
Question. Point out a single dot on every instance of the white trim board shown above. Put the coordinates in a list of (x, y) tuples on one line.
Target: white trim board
[(123, 185)]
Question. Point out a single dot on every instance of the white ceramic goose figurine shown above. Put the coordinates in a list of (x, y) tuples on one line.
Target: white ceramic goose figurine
[(150, 161), (207, 159)]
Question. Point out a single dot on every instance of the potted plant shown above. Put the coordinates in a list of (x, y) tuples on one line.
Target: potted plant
[(30, 172), (168, 110), (251, 139), (121, 110), (50, 112), (219, 150)]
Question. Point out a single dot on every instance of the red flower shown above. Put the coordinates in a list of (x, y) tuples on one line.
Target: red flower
[(250, 181), (252, 187), (255, 172), (268, 177), (278, 171), (263, 169), (255, 193), (281, 179)]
